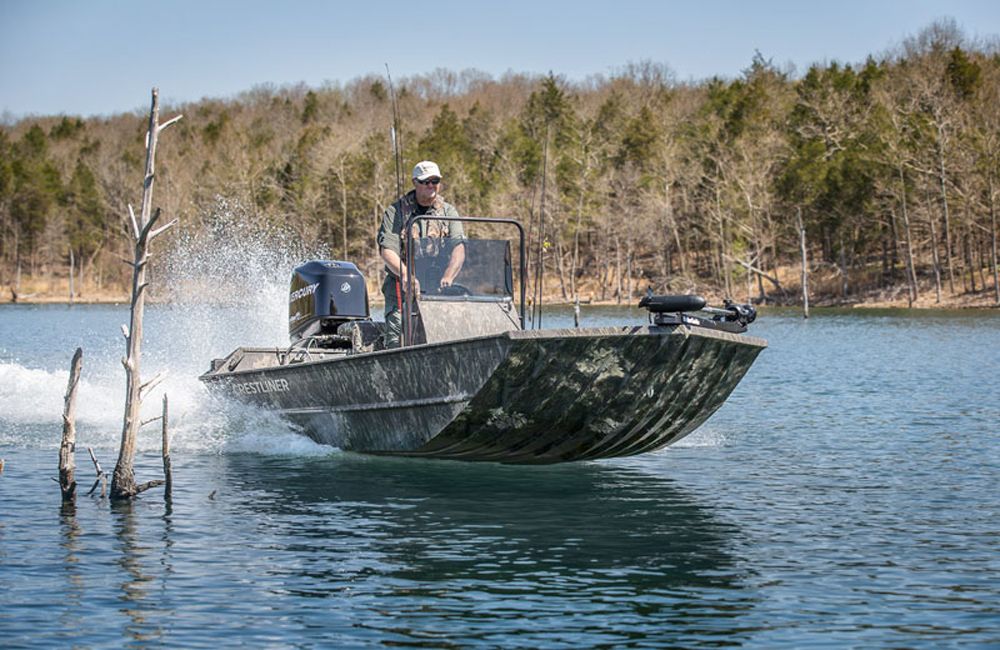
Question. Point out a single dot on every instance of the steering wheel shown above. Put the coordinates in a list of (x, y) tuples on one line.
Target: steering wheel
[(453, 290)]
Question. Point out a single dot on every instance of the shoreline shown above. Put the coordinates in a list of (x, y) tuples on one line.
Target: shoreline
[(827, 291), (983, 300)]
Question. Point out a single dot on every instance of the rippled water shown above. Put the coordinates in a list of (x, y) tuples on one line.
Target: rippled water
[(848, 494)]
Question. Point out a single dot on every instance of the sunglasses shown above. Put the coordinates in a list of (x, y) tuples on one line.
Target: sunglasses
[(430, 181)]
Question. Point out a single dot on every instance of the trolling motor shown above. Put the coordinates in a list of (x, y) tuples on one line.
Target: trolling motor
[(673, 310)]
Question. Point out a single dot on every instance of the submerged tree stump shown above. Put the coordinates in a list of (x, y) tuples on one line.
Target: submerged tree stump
[(67, 466), (168, 475)]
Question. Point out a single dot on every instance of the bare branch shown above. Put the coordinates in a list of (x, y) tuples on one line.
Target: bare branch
[(168, 123), (151, 420), (101, 476), (160, 229), (148, 484), (149, 385), (135, 224), (751, 267), (97, 466)]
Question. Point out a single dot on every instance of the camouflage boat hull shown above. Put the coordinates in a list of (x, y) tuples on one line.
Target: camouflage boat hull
[(517, 397)]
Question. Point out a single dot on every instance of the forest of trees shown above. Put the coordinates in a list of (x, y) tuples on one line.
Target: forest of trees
[(891, 165)]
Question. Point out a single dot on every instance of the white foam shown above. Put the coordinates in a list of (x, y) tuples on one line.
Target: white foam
[(31, 395), (225, 286), (703, 437)]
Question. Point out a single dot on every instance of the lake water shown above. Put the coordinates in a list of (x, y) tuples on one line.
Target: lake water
[(847, 495)]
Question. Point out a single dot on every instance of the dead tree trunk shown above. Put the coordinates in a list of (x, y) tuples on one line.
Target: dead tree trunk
[(723, 247), (911, 272), (842, 264), (67, 466), (561, 266), (944, 210), (805, 266), (576, 249), (935, 259), (618, 269), (123, 484), (343, 205), (72, 264), (168, 474), (993, 242)]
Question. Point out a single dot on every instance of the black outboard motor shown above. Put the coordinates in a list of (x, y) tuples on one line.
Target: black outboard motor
[(672, 310), (323, 296)]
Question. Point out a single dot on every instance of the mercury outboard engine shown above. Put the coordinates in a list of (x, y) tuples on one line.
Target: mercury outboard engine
[(323, 296)]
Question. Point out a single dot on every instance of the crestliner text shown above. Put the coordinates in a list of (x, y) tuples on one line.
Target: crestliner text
[(263, 386)]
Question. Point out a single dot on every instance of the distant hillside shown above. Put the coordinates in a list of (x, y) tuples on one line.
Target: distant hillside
[(892, 165)]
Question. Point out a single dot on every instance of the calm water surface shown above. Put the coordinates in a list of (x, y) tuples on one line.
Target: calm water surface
[(847, 495)]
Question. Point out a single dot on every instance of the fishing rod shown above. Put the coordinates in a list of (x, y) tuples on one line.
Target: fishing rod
[(536, 314), (394, 134), (397, 157)]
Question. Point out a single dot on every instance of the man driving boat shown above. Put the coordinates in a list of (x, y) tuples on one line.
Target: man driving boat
[(435, 235)]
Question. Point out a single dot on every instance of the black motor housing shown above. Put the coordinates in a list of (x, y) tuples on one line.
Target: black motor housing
[(323, 296), (673, 310)]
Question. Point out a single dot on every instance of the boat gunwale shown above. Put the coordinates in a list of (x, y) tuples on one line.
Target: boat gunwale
[(512, 335)]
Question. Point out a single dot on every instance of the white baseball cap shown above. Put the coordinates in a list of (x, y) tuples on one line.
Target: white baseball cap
[(426, 169)]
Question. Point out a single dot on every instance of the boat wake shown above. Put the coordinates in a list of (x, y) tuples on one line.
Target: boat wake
[(221, 289), (199, 422)]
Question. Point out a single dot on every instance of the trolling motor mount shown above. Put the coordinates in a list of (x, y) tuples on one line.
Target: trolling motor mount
[(743, 314), (673, 310)]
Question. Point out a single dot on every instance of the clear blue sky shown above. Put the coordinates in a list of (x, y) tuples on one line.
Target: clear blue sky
[(89, 57)]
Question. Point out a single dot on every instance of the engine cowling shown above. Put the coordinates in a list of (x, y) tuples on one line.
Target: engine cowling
[(323, 296)]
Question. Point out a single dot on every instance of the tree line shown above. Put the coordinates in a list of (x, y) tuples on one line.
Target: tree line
[(624, 182)]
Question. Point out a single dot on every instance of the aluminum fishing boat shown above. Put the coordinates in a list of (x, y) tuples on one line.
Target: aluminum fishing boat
[(471, 382)]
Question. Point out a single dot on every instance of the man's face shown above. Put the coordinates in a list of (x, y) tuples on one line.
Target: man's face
[(427, 190)]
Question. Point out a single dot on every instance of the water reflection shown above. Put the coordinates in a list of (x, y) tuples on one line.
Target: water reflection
[(138, 573), (75, 590), (435, 544)]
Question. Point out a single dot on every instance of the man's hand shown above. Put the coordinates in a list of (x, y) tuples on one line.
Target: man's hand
[(454, 264)]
